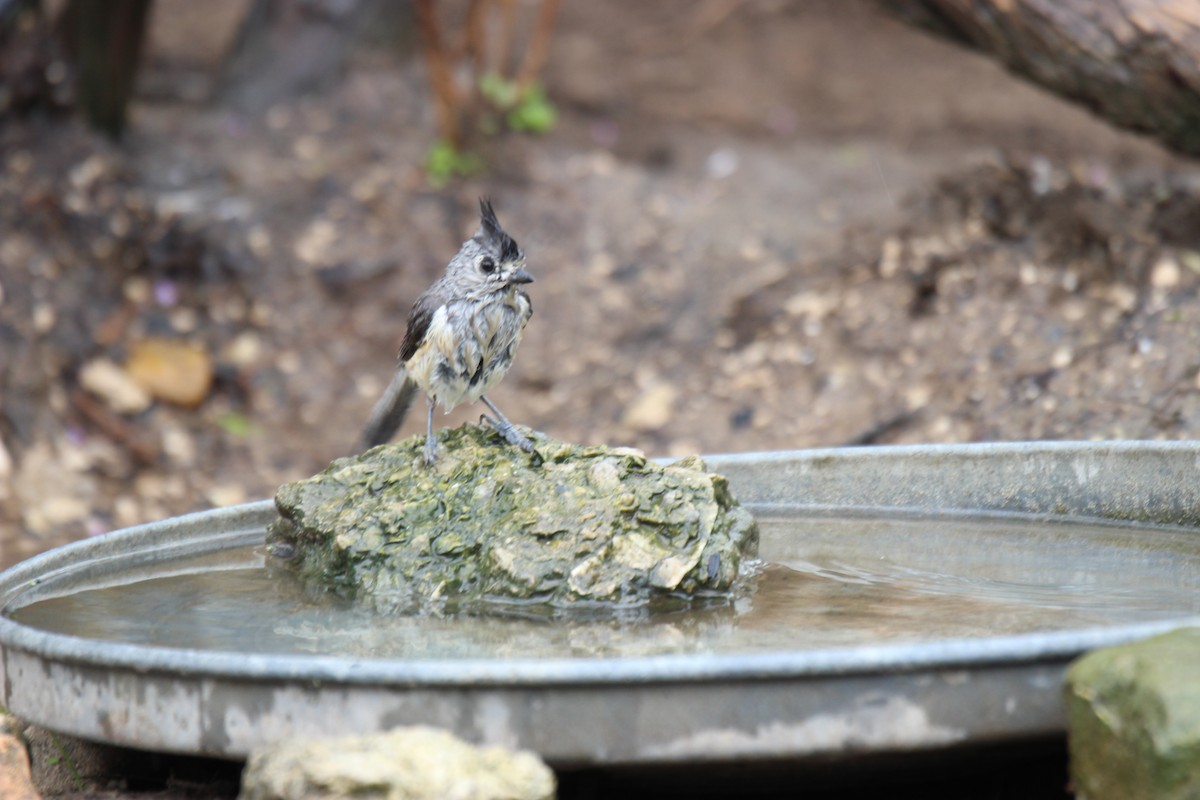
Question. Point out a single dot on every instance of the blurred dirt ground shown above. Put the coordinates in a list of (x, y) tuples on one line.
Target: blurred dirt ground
[(758, 226)]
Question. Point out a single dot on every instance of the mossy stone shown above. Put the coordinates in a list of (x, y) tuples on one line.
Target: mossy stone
[(1134, 719), (580, 525)]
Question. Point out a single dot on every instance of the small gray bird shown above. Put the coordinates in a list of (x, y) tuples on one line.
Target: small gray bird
[(462, 333)]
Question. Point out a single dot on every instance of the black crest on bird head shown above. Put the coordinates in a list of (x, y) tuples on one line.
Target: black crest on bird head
[(509, 250)]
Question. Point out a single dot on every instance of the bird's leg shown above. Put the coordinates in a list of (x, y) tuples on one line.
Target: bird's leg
[(506, 428), (430, 442)]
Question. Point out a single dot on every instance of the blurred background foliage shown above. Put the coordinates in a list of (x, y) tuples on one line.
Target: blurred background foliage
[(483, 60)]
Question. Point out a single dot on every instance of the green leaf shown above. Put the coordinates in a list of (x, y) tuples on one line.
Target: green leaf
[(1191, 260), (534, 114), (445, 162), (235, 424), (498, 90), (529, 110)]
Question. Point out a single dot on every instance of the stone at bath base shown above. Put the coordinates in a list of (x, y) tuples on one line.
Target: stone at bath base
[(412, 763), (1134, 720)]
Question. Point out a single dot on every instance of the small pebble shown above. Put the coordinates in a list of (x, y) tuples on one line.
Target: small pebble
[(179, 446), (245, 349), (115, 387), (1165, 273), (43, 318), (184, 320), (174, 371), (289, 362), (137, 290), (721, 163), (226, 495), (652, 409)]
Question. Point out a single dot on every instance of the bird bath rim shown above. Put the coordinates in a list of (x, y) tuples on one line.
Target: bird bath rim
[(853, 659), (1156, 482)]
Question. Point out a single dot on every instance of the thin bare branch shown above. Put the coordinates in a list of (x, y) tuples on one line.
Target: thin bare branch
[(508, 37), (447, 98), (475, 32), (539, 44)]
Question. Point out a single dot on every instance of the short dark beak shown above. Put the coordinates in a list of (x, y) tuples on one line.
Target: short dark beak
[(520, 276)]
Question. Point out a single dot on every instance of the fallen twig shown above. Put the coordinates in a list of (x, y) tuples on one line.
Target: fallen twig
[(115, 428)]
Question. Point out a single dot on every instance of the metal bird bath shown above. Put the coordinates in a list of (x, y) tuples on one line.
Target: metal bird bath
[(911, 598)]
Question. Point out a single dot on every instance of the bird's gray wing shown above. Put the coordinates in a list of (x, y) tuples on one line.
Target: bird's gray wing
[(419, 318), (389, 412)]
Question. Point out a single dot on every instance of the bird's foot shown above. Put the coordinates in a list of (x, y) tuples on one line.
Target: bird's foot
[(430, 457), (511, 435)]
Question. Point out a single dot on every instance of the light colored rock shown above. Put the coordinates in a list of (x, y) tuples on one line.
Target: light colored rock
[(245, 349), (52, 487), (316, 242), (404, 764), (6, 466), (44, 317), (652, 409), (16, 782), (1134, 720), (115, 387), (230, 494), (172, 371), (1165, 273)]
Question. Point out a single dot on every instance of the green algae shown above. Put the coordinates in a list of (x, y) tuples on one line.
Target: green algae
[(581, 525), (1133, 716)]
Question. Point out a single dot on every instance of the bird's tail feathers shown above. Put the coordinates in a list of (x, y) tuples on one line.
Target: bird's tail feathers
[(389, 412)]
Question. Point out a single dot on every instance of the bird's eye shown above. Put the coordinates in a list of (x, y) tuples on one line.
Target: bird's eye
[(488, 265)]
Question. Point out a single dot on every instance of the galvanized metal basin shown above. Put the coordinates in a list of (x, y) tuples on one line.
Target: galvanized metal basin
[(709, 702)]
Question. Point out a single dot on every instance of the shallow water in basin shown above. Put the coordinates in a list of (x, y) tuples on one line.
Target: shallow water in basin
[(824, 581)]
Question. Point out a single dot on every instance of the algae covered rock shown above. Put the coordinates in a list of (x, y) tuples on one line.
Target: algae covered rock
[(1134, 719), (582, 525)]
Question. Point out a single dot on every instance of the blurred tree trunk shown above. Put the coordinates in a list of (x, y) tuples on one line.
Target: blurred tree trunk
[(286, 48), (32, 75), (104, 39), (1134, 62)]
